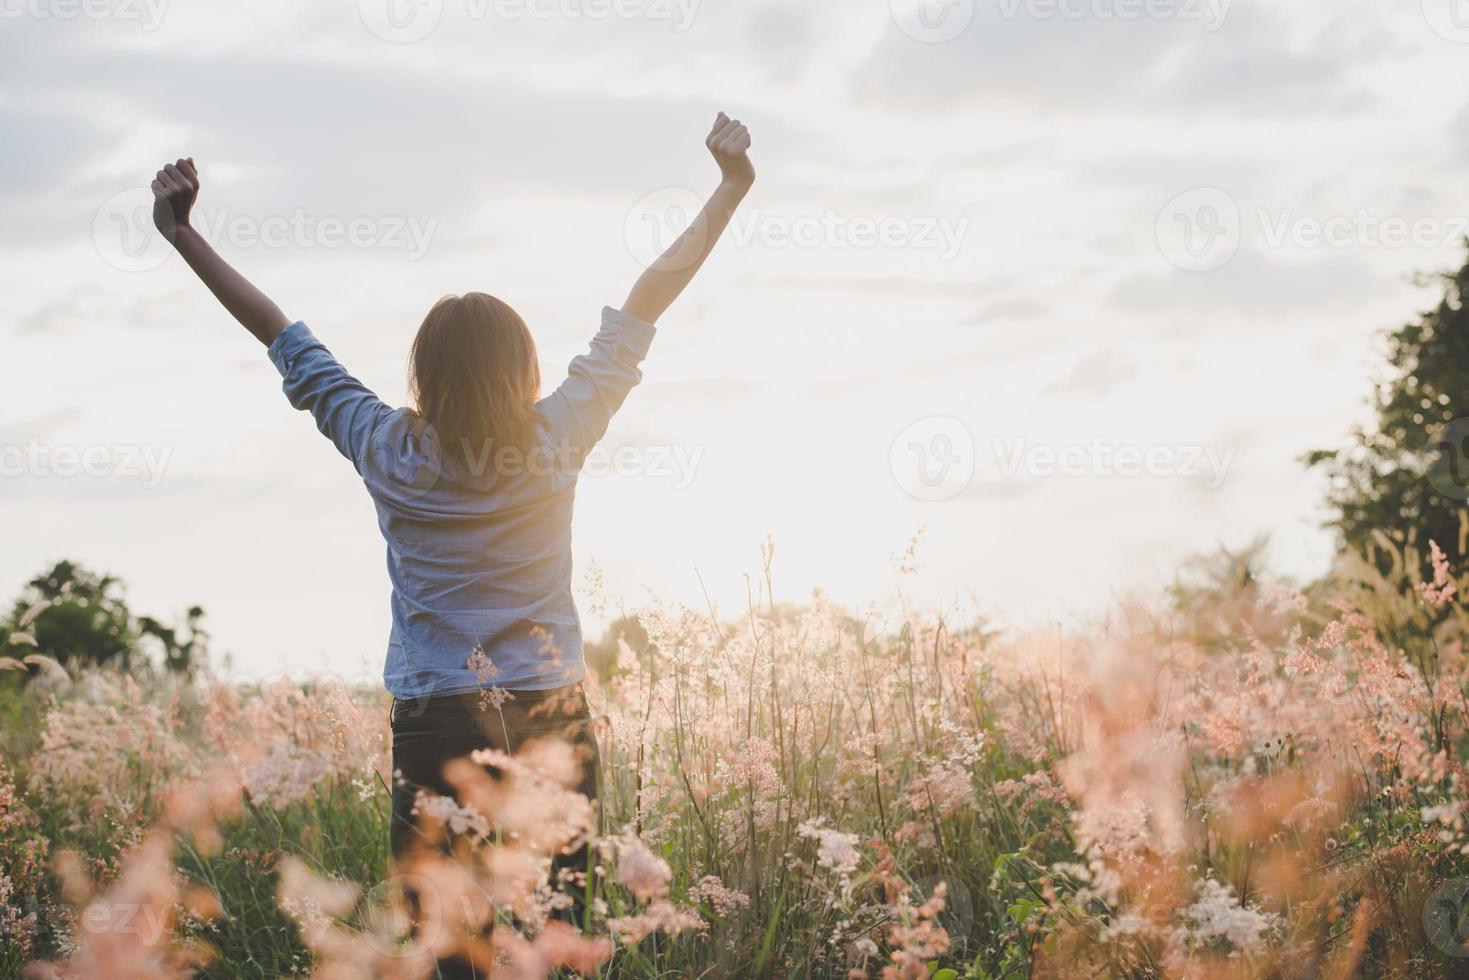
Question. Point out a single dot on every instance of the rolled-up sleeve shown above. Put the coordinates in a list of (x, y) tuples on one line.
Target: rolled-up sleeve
[(346, 411), (598, 381)]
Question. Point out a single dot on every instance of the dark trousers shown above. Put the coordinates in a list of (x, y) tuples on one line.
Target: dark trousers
[(430, 731)]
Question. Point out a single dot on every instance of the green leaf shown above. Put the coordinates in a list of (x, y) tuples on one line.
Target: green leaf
[(1020, 910)]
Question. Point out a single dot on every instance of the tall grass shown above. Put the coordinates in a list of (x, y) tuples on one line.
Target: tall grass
[(1257, 782)]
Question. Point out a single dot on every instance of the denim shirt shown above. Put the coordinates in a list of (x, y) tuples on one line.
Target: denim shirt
[(479, 547)]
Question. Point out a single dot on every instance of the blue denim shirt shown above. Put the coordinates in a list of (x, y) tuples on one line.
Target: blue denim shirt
[(479, 549)]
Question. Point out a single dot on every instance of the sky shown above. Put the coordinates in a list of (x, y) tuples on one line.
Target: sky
[(1069, 286)]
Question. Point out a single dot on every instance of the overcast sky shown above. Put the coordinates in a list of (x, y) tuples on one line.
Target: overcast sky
[(1070, 284)]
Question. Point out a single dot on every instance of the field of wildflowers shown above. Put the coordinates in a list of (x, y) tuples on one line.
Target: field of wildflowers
[(1239, 780)]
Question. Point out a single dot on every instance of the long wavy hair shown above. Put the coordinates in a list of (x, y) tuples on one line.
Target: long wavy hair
[(474, 376)]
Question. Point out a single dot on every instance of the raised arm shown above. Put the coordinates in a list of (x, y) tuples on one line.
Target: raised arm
[(346, 411), (174, 191), (657, 288)]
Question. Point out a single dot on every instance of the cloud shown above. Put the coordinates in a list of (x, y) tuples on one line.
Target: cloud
[(1460, 138), (1065, 64), (339, 139), (1254, 283), (41, 150), (781, 36), (1014, 307), (1095, 375), (40, 426)]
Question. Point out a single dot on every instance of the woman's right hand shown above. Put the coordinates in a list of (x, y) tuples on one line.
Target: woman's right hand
[(729, 142), (665, 279), (174, 190)]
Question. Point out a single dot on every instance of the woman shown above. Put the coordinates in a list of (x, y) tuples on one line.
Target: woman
[(473, 488)]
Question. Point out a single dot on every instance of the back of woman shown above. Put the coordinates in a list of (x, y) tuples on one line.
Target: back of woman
[(474, 488), (476, 513)]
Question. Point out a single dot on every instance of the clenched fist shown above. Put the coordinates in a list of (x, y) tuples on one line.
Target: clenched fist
[(729, 142), (174, 191)]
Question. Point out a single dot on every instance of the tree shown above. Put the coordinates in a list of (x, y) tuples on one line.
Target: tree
[(179, 655), (602, 655), (80, 618), (1407, 476), (85, 619)]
